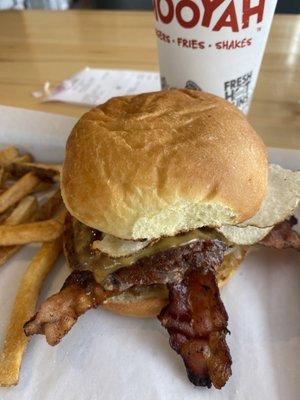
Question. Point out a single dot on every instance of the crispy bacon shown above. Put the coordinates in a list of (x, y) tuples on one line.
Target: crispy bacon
[(59, 312), (195, 317), (197, 323), (282, 236), (168, 266)]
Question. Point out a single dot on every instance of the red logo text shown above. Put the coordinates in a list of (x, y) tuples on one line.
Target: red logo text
[(230, 18)]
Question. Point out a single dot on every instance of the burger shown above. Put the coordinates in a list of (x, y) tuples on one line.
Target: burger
[(165, 193)]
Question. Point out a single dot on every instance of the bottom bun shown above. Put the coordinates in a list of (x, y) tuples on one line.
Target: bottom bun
[(230, 264), (148, 301), (144, 301)]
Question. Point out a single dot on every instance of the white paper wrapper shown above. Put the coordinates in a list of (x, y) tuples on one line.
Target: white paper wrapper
[(110, 357), (215, 46)]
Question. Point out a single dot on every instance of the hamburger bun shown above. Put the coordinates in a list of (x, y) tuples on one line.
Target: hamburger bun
[(152, 165)]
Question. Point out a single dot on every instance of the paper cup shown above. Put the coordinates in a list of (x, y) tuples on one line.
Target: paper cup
[(213, 45)]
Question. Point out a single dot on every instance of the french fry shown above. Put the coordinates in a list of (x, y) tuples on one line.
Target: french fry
[(50, 207), (6, 252), (6, 214), (18, 190), (18, 227), (43, 186), (3, 176), (46, 211), (15, 341), (8, 154), (43, 171), (17, 210), (24, 211), (23, 159), (32, 232)]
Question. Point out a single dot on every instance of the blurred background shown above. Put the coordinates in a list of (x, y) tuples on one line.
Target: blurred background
[(283, 6)]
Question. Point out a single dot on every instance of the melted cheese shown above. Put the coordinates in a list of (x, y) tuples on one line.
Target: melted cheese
[(107, 265), (102, 264), (116, 247)]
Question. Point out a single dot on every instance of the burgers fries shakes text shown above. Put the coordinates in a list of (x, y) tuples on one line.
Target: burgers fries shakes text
[(166, 192)]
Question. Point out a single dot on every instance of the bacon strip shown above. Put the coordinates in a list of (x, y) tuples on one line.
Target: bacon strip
[(59, 312), (195, 317), (282, 236), (81, 292), (197, 323), (168, 266)]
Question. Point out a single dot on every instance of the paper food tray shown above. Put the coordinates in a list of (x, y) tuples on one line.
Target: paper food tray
[(109, 357)]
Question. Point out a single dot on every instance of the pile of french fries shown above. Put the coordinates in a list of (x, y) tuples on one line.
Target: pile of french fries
[(24, 220)]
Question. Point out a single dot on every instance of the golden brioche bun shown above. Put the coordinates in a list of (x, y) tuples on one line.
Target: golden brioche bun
[(148, 301), (160, 163)]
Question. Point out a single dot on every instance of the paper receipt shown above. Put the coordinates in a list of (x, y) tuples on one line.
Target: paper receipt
[(94, 86)]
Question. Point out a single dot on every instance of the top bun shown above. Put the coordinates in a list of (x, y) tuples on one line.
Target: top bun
[(160, 163)]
